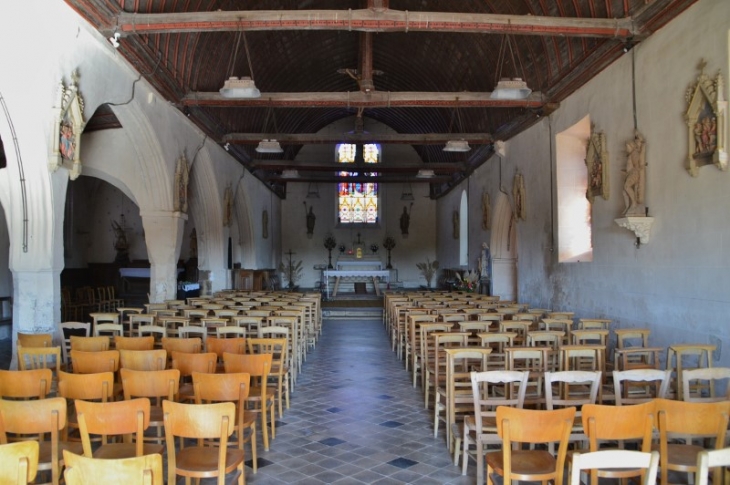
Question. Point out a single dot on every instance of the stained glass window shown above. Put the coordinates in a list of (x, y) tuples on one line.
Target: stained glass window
[(357, 201)]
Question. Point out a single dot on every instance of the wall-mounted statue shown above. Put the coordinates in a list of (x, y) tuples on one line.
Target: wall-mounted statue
[(227, 206), (518, 193), (405, 221), (597, 166), (182, 174), (311, 219), (635, 181), (121, 244), (486, 211)]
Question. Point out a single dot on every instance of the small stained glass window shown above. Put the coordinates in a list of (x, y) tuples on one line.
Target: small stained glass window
[(357, 201)]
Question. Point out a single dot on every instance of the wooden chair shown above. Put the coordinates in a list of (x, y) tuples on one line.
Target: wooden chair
[(193, 331), (497, 341), (93, 362), (684, 357), (172, 324), (688, 419), (156, 385), (39, 358), (709, 376), (34, 339), (188, 363), (616, 459), (142, 470), (201, 421), (137, 320), (534, 360), (490, 390), (711, 459), (118, 418), (134, 343), (572, 388), (260, 397), (609, 424), (517, 426), (87, 387), (124, 317), (187, 345), (433, 357), (109, 329), (233, 387), (25, 384), (68, 329), (103, 317), (278, 348), (641, 385), (37, 418), (89, 344), (223, 345), (158, 332), (230, 332), (18, 462), (143, 359)]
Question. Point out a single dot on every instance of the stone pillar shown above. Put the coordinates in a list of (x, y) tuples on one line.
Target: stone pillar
[(163, 235)]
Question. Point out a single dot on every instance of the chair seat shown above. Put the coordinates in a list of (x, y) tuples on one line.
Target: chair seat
[(44, 453), (126, 450), (681, 457), (202, 462), (526, 464)]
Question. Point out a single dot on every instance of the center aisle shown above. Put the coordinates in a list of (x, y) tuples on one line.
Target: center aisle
[(355, 418)]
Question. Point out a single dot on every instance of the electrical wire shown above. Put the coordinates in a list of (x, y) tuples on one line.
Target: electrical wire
[(21, 172)]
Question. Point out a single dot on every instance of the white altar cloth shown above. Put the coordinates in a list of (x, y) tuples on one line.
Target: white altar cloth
[(363, 273)]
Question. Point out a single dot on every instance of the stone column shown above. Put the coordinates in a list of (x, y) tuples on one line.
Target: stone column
[(163, 236)]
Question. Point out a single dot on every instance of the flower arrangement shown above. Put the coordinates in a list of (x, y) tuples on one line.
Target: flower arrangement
[(428, 269), (374, 248), (330, 242), (467, 282)]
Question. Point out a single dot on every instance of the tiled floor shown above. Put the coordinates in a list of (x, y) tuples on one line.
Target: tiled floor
[(355, 418)]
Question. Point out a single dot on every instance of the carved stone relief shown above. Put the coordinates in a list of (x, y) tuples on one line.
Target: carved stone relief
[(68, 123), (597, 163)]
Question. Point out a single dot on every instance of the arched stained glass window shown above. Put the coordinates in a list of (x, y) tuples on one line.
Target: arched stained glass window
[(357, 201)]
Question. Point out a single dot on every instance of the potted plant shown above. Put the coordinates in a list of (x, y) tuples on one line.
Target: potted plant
[(428, 269)]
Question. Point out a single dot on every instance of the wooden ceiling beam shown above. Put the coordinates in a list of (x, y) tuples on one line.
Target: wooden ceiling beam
[(384, 138), (372, 20), (397, 179), (278, 165), (357, 99)]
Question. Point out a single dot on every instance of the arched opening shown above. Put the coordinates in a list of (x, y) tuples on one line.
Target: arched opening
[(574, 210), (503, 245), (6, 277)]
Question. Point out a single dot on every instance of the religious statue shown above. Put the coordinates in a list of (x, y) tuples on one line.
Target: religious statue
[(121, 245), (518, 193), (486, 211), (311, 219), (180, 200), (405, 221), (68, 125), (635, 182)]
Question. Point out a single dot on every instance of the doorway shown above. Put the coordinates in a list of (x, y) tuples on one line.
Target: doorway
[(503, 246)]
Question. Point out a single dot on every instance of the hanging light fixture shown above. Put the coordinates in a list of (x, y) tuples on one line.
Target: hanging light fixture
[(269, 145), (313, 191), (456, 145), (509, 88), (407, 193), (425, 174), (243, 87)]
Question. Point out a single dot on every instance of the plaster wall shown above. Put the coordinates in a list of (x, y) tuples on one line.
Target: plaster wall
[(677, 284), (408, 251)]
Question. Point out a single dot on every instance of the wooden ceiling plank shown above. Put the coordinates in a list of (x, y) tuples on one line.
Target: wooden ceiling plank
[(385, 139)]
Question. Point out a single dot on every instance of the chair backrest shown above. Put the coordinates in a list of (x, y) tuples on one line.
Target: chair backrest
[(693, 418), (152, 383), (567, 397), (94, 362), (655, 384), (157, 331), (274, 331), (712, 374), (615, 423), (229, 387), (193, 331), (89, 344), (134, 343), (257, 365), (140, 470), (517, 425), (188, 363), (18, 462), (86, 386), (67, 329), (35, 339), (230, 332), (616, 459), (109, 329), (187, 345), (113, 419), (630, 337), (25, 384), (39, 357), (709, 459), (276, 347), (513, 385), (143, 359), (222, 345)]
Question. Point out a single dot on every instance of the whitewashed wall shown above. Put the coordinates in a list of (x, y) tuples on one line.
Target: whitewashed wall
[(677, 284)]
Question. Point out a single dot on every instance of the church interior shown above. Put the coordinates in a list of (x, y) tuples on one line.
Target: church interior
[(567, 155)]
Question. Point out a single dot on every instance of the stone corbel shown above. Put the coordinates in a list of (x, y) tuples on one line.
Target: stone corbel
[(641, 226)]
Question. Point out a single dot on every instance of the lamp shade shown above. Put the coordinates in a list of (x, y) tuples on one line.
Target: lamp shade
[(425, 174), (457, 146), (269, 146), (511, 89), (240, 88), (290, 173)]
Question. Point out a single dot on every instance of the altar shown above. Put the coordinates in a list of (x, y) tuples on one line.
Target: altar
[(339, 274)]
